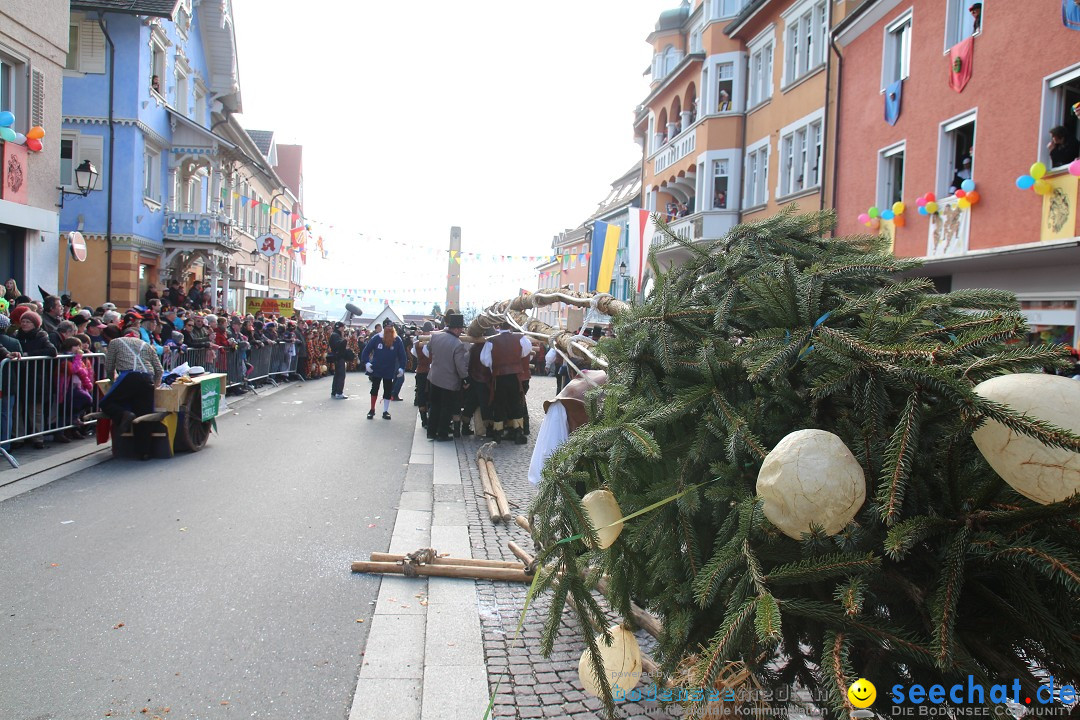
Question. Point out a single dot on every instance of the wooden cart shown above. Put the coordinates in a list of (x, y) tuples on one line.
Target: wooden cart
[(182, 419)]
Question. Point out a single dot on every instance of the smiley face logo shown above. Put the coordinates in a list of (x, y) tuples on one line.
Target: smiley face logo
[(862, 693)]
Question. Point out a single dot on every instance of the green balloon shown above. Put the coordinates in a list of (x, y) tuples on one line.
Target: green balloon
[(872, 212), (7, 134)]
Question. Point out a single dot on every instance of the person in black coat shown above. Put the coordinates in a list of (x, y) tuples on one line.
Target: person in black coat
[(338, 350)]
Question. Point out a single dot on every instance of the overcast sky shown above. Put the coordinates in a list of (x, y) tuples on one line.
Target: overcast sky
[(509, 120)]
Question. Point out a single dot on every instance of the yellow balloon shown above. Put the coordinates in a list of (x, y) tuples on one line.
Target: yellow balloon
[(1037, 170), (1042, 187), (898, 208), (931, 207), (963, 203)]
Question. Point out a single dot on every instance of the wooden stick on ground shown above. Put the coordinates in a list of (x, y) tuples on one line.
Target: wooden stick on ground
[(487, 468), (461, 562), (520, 553), (500, 494), (489, 493), (523, 523), (453, 571)]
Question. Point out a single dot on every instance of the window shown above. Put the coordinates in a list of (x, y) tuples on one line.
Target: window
[(566, 261), (181, 102), (695, 40), (721, 177), (8, 95), (761, 70), (152, 174), (671, 59), (76, 147), (86, 47), (726, 8), (581, 287), (573, 258), (896, 63), (725, 86), (804, 47), (1060, 93), (955, 161), (757, 174), (800, 157), (890, 184), (157, 60), (963, 19)]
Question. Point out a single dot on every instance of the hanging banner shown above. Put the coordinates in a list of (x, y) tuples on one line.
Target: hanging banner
[(270, 306)]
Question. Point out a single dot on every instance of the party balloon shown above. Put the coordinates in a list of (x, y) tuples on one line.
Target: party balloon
[(875, 224), (968, 185), (868, 223), (36, 133), (973, 197), (930, 197), (20, 139), (931, 207), (963, 203), (873, 212), (900, 221), (1025, 182), (888, 215), (864, 218), (7, 134), (1037, 170), (921, 202), (1074, 167), (960, 193), (922, 210), (7, 119), (1042, 187), (898, 208), (33, 144)]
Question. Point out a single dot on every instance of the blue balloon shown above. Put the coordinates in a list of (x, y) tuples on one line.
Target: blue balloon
[(1025, 182), (887, 215), (922, 211), (7, 119), (968, 185)]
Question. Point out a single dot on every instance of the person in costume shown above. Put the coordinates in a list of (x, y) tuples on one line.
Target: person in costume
[(449, 367), (505, 354), (384, 360), (423, 364), (562, 416), (134, 368)]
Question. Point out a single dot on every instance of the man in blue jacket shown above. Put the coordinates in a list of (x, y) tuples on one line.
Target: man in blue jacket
[(384, 360)]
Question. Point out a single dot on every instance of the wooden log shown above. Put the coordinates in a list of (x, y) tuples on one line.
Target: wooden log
[(462, 562), (523, 523), (452, 571), (649, 665), (520, 553), (500, 494), (644, 619), (489, 492)]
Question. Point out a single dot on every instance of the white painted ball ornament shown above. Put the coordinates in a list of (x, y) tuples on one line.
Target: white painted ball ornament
[(621, 661), (1036, 471), (603, 511), (811, 477)]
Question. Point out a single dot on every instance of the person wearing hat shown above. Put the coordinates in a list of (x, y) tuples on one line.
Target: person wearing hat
[(423, 364), (383, 358), (337, 348), (505, 354), (562, 416), (34, 342), (97, 340), (449, 367), (477, 395)]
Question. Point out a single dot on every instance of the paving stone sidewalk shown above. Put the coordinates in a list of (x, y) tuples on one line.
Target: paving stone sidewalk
[(526, 684)]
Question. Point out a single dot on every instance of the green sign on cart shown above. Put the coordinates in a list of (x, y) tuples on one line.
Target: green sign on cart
[(211, 397)]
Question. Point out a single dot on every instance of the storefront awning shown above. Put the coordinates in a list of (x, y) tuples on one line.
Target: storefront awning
[(1014, 257), (191, 138)]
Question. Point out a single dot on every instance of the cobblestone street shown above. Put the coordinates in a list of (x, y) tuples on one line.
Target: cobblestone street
[(527, 684)]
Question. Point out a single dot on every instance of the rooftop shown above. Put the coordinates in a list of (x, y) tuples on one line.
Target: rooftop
[(263, 139), (152, 8)]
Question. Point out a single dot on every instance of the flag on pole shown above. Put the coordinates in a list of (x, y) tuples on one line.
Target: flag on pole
[(641, 232), (605, 244)]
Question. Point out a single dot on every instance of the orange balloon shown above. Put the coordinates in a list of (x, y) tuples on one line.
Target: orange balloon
[(36, 133), (973, 197), (900, 221)]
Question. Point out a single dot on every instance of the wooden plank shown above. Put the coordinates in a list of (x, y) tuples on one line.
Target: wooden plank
[(453, 571)]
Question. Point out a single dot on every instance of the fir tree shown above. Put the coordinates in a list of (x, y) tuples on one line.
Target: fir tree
[(945, 571)]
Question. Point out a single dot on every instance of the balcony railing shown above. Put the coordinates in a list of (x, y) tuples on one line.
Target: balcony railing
[(200, 228), (707, 225), (676, 150)]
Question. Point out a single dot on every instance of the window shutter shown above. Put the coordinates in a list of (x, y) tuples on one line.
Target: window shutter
[(91, 48), (37, 98), (92, 148)]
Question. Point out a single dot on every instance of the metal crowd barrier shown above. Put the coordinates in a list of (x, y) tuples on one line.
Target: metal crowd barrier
[(210, 359), (42, 396)]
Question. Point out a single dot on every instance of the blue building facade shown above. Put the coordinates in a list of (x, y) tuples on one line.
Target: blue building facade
[(156, 211)]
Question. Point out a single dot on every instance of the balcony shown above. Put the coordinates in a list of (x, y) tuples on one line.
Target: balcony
[(706, 225), (200, 229), (676, 150)]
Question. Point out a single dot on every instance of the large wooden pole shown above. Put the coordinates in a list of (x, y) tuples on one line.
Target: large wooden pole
[(453, 272), (453, 571), (462, 562)]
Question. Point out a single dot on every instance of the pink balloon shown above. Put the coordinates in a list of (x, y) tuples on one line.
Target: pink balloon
[(921, 202), (1074, 167), (864, 218)]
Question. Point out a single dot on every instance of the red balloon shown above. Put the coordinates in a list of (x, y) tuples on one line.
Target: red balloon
[(33, 144), (960, 193), (930, 197)]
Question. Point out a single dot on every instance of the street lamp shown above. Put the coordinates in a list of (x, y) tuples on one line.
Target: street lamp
[(85, 178), (622, 269)]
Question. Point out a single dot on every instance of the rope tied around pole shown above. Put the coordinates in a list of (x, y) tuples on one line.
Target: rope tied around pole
[(423, 556)]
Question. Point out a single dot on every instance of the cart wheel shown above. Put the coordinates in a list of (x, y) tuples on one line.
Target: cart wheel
[(191, 432)]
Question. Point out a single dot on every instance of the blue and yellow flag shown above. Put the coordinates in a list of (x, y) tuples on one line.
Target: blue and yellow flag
[(605, 245)]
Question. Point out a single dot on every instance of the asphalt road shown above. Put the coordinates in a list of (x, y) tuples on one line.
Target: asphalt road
[(212, 585)]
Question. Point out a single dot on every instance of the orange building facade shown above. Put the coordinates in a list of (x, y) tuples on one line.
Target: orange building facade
[(990, 132)]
